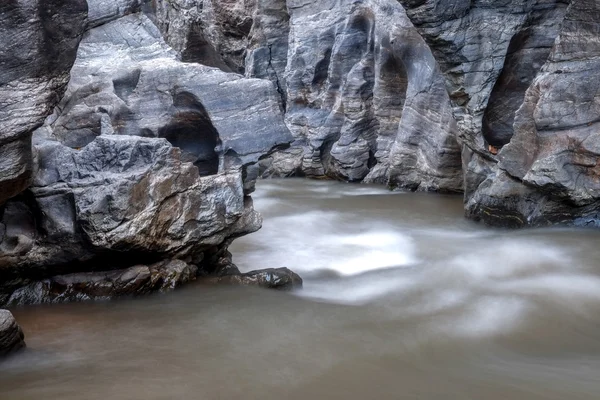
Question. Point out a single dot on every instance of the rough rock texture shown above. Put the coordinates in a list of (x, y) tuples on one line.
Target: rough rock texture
[(38, 43), (174, 108), (132, 281), (210, 32), (273, 278), (360, 88), (11, 335), (524, 75), (365, 98), (145, 158)]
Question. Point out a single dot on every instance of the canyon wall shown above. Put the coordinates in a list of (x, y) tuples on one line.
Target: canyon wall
[(133, 131), (131, 160)]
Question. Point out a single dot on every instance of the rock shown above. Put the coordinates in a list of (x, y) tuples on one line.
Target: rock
[(146, 158), (272, 278), (11, 335), (210, 32), (133, 281), (364, 99), (38, 46), (553, 157), (360, 89), (522, 76)]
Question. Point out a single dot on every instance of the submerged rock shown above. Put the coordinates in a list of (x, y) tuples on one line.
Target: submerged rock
[(272, 278), (11, 334)]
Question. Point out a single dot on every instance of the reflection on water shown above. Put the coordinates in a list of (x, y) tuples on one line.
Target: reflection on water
[(403, 299)]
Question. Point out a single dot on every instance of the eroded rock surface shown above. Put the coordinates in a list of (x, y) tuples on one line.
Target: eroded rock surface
[(145, 158), (360, 89), (38, 44), (133, 281), (524, 75), (11, 335), (272, 278)]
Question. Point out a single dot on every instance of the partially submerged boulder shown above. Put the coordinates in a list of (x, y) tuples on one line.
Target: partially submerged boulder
[(272, 278), (11, 334)]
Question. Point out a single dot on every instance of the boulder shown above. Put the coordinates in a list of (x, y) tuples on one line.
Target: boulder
[(11, 335), (145, 159), (272, 278)]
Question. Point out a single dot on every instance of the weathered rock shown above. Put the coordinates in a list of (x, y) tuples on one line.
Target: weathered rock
[(365, 100), (127, 81), (553, 158), (361, 90), (121, 198), (38, 45), (11, 335), (273, 278), (146, 158), (524, 75), (133, 281), (210, 32)]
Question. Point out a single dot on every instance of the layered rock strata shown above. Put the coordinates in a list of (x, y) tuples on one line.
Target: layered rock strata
[(523, 77), (145, 159), (360, 89), (38, 46)]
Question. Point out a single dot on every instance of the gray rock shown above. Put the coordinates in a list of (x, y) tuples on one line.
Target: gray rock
[(365, 100), (523, 75), (133, 281), (553, 157), (127, 81), (273, 278), (210, 32), (38, 45), (145, 158), (11, 335), (360, 88)]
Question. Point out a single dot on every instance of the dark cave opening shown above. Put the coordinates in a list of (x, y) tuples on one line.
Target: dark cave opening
[(195, 135)]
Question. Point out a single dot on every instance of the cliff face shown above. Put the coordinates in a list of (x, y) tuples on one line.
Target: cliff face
[(523, 75), (496, 99), (145, 159), (359, 87), (39, 43), (151, 120)]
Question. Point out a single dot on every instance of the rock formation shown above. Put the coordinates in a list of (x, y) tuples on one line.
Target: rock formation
[(361, 91), (144, 160), (151, 121), (524, 75), (39, 43), (11, 335)]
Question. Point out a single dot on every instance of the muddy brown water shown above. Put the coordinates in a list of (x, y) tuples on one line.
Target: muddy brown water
[(403, 299)]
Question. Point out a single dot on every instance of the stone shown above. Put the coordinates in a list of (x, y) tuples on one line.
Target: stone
[(210, 32), (523, 80), (272, 278), (365, 99), (146, 158), (39, 42), (11, 334), (133, 281)]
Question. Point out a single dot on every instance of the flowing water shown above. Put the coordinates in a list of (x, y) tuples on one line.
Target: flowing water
[(403, 299)]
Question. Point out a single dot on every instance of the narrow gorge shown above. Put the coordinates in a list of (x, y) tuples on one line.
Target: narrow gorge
[(134, 135)]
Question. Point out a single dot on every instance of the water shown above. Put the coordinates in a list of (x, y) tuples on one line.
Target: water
[(403, 299)]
